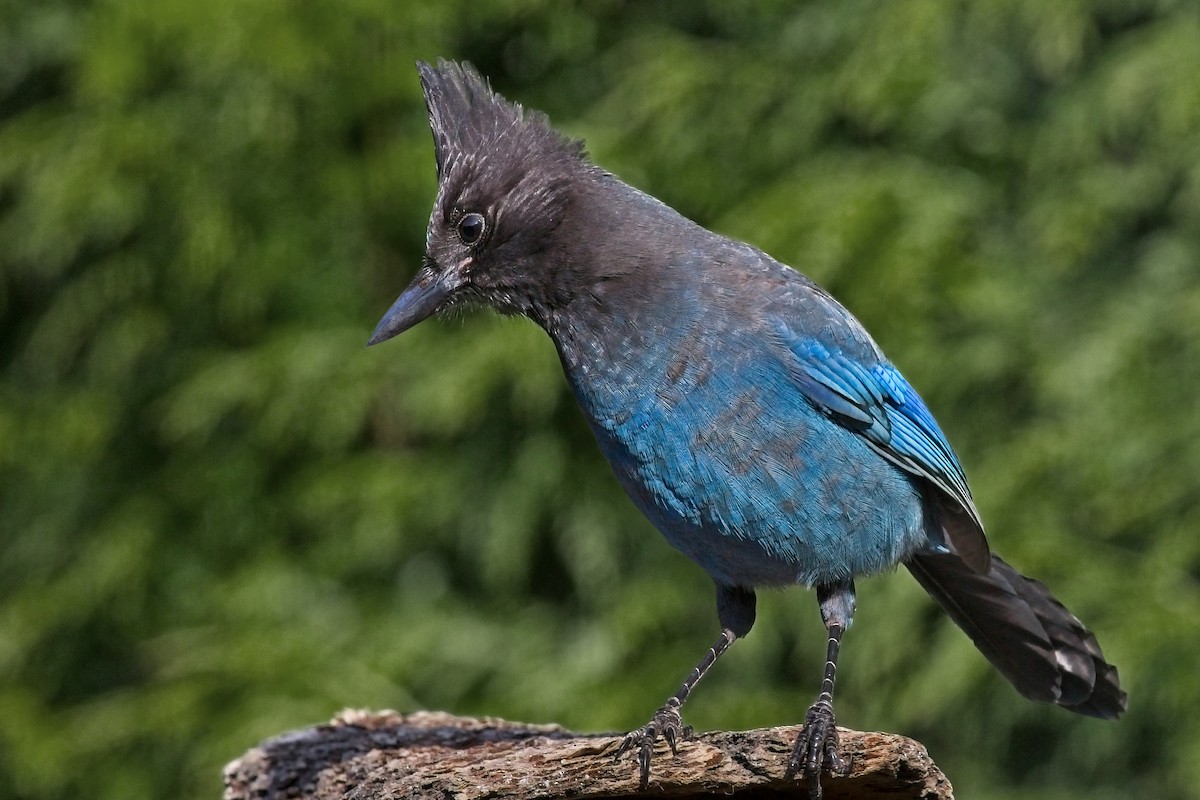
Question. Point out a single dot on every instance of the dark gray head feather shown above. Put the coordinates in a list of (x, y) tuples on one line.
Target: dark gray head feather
[(466, 117), (496, 159), (487, 148)]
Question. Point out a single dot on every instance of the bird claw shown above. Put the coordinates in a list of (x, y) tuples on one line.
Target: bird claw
[(667, 724), (816, 749)]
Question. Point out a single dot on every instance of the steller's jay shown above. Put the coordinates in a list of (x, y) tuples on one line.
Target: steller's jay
[(746, 412)]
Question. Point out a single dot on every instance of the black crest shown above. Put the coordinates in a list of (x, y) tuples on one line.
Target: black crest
[(471, 122)]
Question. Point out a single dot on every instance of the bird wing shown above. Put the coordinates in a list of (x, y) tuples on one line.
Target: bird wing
[(875, 401)]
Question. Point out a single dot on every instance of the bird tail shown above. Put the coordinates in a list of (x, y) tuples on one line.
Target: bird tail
[(1035, 642)]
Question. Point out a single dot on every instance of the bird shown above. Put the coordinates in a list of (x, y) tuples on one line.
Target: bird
[(746, 412)]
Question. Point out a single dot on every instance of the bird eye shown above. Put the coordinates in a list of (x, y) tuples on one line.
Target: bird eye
[(470, 228)]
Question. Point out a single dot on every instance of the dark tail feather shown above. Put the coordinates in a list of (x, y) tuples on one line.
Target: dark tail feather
[(1040, 646)]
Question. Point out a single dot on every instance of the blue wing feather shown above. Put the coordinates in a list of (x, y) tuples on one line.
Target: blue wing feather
[(877, 402)]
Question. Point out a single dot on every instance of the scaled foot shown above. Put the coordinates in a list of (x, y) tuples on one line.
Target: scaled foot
[(816, 749), (667, 724)]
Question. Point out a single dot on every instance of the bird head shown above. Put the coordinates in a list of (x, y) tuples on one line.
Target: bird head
[(505, 183)]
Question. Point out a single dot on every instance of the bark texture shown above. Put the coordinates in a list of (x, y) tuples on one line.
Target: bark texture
[(443, 757)]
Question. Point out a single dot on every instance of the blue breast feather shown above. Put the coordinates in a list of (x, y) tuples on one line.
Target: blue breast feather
[(742, 470)]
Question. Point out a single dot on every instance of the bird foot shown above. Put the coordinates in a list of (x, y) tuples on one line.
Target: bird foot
[(816, 749), (667, 724)]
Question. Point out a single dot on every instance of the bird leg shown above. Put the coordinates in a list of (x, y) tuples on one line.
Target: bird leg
[(667, 722), (735, 607), (816, 748)]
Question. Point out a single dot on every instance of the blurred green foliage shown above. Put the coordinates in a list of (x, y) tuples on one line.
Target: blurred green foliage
[(221, 517)]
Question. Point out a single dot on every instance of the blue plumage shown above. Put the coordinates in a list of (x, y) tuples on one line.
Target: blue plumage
[(746, 412), (719, 441)]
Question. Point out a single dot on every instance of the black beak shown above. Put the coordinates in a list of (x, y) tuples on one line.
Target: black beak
[(427, 292)]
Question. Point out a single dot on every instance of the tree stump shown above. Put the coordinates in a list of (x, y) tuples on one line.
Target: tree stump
[(442, 757)]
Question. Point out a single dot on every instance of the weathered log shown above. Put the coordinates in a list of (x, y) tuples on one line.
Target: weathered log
[(434, 755)]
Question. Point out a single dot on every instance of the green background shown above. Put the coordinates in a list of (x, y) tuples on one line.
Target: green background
[(222, 518)]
